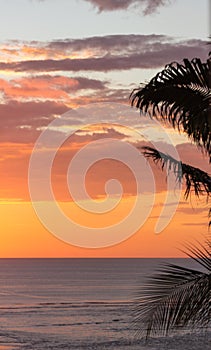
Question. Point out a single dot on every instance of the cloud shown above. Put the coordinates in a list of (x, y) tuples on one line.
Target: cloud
[(29, 113), (46, 86), (118, 53), (97, 46), (149, 6), (14, 159), (23, 120), (20, 121)]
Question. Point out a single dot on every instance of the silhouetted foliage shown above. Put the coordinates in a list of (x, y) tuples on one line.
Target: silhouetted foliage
[(177, 296), (181, 95), (195, 179)]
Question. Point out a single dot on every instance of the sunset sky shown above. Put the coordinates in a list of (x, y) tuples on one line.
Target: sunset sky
[(67, 68)]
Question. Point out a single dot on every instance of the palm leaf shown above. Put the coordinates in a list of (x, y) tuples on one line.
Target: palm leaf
[(175, 297), (195, 178), (181, 95)]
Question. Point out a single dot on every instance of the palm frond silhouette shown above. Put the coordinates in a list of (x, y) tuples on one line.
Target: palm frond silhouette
[(176, 296), (195, 179), (181, 95)]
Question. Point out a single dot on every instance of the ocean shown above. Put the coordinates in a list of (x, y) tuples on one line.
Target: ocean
[(75, 303)]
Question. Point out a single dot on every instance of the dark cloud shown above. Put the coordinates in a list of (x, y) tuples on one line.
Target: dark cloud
[(110, 43), (23, 121), (31, 113), (148, 6), (93, 84), (150, 52), (20, 121)]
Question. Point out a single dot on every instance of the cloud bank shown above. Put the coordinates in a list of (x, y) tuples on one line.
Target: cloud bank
[(103, 54)]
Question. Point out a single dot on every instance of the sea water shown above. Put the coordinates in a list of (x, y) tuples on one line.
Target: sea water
[(71, 303)]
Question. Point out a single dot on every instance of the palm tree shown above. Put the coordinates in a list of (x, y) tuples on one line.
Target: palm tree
[(180, 95)]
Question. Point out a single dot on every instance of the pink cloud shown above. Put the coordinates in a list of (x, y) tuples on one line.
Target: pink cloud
[(19, 120), (46, 86), (29, 113), (149, 6), (117, 52)]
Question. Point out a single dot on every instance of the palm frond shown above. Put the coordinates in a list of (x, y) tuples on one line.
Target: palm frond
[(200, 253), (195, 179), (181, 95), (175, 297)]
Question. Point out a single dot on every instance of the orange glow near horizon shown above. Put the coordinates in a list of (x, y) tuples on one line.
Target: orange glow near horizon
[(23, 235)]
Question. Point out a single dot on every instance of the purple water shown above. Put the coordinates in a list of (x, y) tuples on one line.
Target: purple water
[(70, 303)]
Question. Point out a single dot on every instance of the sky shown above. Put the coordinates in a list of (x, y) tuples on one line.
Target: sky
[(74, 183)]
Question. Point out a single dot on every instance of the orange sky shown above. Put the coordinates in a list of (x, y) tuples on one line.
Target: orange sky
[(43, 78), (23, 235)]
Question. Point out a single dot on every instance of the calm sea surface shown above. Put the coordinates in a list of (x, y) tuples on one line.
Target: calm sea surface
[(70, 303)]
